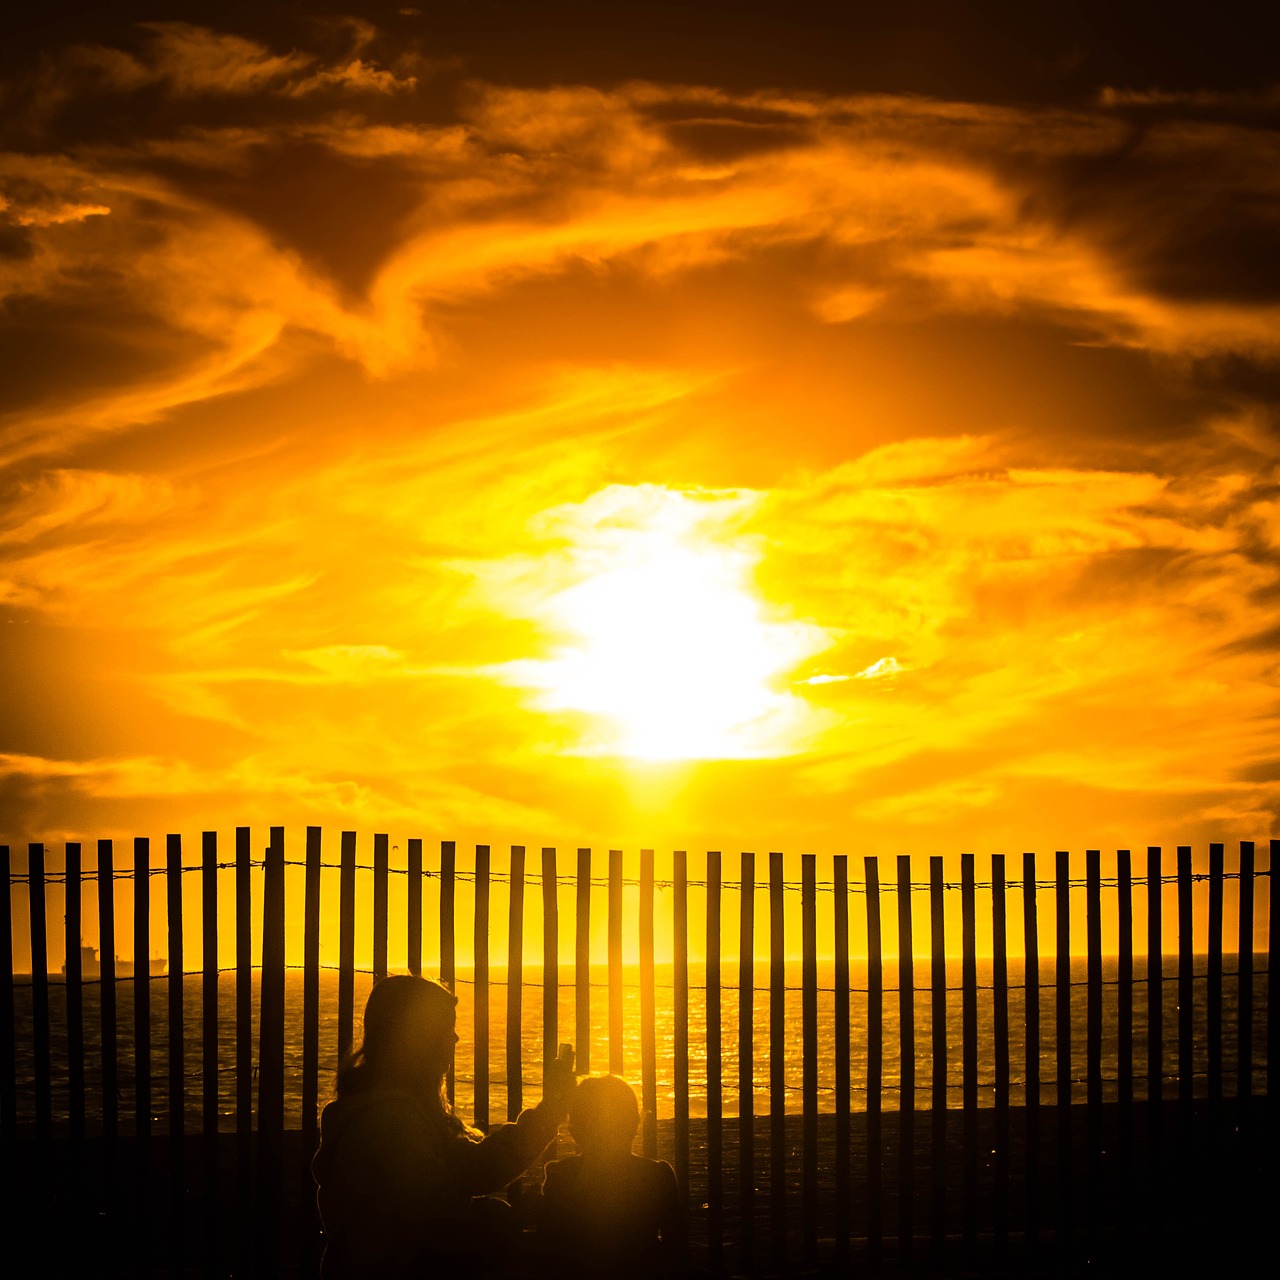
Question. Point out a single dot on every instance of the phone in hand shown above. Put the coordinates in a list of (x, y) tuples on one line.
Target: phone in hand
[(565, 1058)]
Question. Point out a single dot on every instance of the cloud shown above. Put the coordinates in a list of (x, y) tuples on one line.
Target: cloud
[(321, 384)]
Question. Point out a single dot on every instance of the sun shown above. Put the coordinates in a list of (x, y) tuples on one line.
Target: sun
[(668, 645)]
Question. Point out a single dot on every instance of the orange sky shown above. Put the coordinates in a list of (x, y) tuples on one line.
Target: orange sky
[(392, 441)]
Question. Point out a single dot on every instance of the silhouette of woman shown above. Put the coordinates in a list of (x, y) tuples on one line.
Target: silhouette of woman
[(398, 1172)]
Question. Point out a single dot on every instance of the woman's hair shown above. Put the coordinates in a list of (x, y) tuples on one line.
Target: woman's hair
[(603, 1110), (402, 1008)]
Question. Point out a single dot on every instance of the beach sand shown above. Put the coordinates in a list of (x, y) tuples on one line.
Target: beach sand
[(1203, 1197)]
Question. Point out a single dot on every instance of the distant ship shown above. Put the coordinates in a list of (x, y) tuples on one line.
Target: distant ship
[(91, 966)]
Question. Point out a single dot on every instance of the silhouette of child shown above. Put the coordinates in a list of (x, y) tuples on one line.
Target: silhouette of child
[(605, 1211), (398, 1173)]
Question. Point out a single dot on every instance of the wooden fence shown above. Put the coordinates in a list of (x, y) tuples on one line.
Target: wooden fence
[(865, 1171)]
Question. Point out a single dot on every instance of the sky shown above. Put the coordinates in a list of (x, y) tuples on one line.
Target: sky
[(679, 426)]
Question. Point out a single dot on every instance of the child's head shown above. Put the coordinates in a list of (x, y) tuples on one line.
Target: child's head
[(603, 1114)]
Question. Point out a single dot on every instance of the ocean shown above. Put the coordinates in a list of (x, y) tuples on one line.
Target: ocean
[(594, 1045)]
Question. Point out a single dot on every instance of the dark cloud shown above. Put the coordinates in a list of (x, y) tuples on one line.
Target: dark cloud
[(342, 214)]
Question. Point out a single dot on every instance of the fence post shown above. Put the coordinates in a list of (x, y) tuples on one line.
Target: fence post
[(244, 1049), (310, 1048), (271, 1059), (969, 1032), (615, 962), (480, 1012), (1273, 984), (938, 999), (582, 963), (346, 946), (1124, 1015), (777, 1066), (1186, 1009), (648, 1029), (1215, 993), (209, 1069), (907, 1067), (1000, 1028), (840, 981), (75, 1010), (1155, 1031), (177, 1056), (550, 961), (746, 1060), (809, 1058), (1244, 982), (515, 983), (413, 909), (110, 1046), (1062, 1011), (1031, 1042), (142, 1034), (875, 1067), (448, 943), (381, 875), (8, 1041), (39, 992), (715, 1139), (1093, 1034), (680, 981)]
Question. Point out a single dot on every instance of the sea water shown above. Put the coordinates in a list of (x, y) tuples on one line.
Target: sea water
[(596, 1055)]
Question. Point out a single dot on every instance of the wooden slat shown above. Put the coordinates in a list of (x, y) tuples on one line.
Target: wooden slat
[(746, 1061), (244, 1049), (843, 1049), (381, 875), (142, 1031), (8, 1037), (1186, 1004), (969, 1051), (1244, 979), (448, 943), (480, 952), (616, 1056), (310, 1046), (809, 1058), (777, 1067), (1214, 966), (648, 1013), (1093, 1029), (1031, 1042), (550, 960), (413, 922), (714, 1096), (1124, 1012), (1273, 982), (875, 1067), (311, 991), (680, 1001), (1155, 1016), (74, 992), (110, 1039), (907, 1069), (209, 1066), (346, 945), (515, 983), (1062, 1009), (938, 1095), (39, 990), (268, 1187), (177, 1054), (582, 964), (1000, 1052)]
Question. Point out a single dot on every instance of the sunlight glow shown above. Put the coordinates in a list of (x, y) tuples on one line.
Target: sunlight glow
[(671, 644)]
